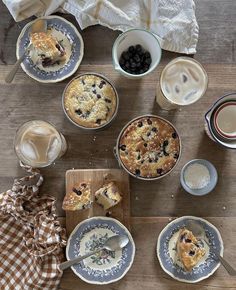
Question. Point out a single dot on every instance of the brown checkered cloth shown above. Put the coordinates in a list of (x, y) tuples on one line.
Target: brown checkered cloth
[(31, 238)]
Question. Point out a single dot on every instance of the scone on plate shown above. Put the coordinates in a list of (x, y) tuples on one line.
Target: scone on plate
[(47, 49), (108, 195), (79, 198), (189, 249)]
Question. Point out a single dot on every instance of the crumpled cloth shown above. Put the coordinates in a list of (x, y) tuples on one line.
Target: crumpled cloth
[(172, 21), (31, 237)]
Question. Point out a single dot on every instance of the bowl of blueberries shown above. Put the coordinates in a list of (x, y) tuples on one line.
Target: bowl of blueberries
[(136, 53)]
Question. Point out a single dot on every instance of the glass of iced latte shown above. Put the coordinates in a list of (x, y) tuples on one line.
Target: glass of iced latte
[(38, 143), (183, 82)]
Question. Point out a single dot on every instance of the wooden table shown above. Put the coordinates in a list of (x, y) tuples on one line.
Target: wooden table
[(152, 204)]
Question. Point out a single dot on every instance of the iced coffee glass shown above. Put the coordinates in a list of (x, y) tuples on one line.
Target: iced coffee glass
[(183, 82), (38, 143)]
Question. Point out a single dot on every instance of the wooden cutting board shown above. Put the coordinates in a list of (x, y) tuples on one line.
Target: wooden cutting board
[(96, 177)]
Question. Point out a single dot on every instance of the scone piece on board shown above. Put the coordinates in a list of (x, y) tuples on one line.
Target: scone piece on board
[(108, 195), (79, 198), (189, 249)]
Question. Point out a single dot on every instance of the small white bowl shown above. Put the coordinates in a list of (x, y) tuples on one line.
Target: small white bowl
[(133, 37), (213, 177)]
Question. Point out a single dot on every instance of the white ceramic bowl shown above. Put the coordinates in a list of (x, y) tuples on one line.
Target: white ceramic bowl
[(132, 37)]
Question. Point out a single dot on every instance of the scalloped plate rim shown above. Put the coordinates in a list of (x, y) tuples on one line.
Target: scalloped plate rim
[(158, 249), (130, 239), (77, 64)]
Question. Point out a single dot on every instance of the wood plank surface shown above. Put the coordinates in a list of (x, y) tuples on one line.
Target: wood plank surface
[(146, 272), (152, 203), (96, 178), (26, 99)]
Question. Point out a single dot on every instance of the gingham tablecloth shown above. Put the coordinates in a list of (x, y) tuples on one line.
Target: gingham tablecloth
[(31, 238)]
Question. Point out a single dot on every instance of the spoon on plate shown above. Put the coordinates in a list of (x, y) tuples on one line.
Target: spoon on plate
[(198, 231), (39, 25), (112, 244)]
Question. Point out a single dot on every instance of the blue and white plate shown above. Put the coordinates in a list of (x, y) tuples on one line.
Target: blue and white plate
[(72, 41), (104, 267), (166, 251)]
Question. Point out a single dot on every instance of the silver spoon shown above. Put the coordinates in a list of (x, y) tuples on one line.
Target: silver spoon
[(39, 25), (199, 232), (113, 243)]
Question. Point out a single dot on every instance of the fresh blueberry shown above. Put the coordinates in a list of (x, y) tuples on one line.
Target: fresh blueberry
[(138, 48), (147, 54), (122, 61), (131, 49), (148, 61)]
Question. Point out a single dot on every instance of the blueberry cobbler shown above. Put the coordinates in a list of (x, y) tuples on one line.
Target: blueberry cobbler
[(149, 147), (48, 50), (189, 249), (90, 101)]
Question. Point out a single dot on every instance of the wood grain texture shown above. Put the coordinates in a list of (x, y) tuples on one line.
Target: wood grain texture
[(26, 99), (151, 203), (146, 272), (96, 178)]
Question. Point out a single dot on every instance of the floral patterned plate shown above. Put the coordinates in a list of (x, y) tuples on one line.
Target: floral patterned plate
[(104, 267), (70, 38), (166, 251)]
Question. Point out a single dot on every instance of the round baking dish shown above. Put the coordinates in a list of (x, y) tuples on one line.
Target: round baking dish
[(98, 127), (117, 155)]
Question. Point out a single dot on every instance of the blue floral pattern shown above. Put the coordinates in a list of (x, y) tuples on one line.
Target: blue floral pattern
[(104, 267), (200, 272), (75, 39)]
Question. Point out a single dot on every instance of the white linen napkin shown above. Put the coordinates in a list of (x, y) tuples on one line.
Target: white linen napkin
[(173, 21)]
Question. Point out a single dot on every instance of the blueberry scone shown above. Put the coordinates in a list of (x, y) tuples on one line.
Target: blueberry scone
[(108, 195), (47, 49), (79, 198), (149, 147), (189, 249), (90, 101)]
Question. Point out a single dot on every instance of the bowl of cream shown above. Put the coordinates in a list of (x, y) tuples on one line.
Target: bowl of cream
[(198, 177)]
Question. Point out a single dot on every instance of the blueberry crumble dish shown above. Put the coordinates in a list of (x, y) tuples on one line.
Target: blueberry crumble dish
[(78, 198), (90, 101), (48, 50), (149, 147), (189, 249)]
